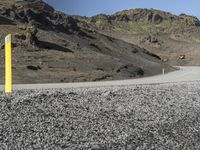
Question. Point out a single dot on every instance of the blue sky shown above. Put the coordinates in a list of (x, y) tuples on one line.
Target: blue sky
[(93, 7)]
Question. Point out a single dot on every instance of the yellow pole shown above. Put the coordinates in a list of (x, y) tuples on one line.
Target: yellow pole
[(8, 64)]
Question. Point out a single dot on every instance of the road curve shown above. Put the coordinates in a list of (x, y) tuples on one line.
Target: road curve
[(184, 74)]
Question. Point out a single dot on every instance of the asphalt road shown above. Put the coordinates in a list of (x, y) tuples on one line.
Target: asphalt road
[(184, 74)]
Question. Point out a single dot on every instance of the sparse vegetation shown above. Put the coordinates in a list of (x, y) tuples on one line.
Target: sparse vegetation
[(172, 31)]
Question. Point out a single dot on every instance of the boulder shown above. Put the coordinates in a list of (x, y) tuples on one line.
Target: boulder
[(154, 18), (157, 19), (31, 38), (32, 67), (181, 57)]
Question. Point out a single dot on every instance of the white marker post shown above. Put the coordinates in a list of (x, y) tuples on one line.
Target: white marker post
[(163, 71)]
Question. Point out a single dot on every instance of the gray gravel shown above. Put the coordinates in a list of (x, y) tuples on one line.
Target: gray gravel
[(165, 116)]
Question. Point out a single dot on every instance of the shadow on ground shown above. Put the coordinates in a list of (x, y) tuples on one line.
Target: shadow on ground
[(52, 46), (5, 21)]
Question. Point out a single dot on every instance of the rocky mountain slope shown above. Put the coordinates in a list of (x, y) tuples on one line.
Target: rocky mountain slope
[(175, 39), (50, 46)]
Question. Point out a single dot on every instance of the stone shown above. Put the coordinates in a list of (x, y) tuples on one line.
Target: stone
[(35, 68), (181, 57), (157, 19)]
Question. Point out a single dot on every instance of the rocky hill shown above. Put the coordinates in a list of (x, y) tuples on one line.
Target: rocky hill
[(175, 39), (163, 21), (50, 46)]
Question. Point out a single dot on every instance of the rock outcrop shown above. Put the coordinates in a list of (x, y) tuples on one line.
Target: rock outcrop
[(145, 16), (39, 13)]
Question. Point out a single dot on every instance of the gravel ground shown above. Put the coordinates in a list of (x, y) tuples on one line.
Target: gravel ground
[(165, 116)]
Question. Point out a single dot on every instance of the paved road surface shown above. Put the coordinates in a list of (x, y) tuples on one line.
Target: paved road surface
[(185, 74)]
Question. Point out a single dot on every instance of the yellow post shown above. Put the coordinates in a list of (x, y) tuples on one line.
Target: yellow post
[(8, 64)]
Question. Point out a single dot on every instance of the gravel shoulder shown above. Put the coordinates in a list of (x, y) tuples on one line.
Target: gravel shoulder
[(159, 116)]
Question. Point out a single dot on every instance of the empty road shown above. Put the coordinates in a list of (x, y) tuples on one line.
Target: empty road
[(184, 74)]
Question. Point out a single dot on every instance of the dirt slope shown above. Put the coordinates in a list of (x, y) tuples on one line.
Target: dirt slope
[(174, 38), (50, 46)]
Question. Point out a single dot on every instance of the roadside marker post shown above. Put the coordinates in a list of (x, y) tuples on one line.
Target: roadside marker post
[(163, 71), (8, 64)]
